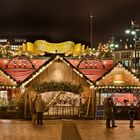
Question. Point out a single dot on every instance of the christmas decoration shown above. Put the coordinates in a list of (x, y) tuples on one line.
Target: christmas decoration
[(57, 86)]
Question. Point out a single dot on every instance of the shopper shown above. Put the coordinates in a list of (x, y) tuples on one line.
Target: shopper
[(40, 108), (138, 109), (113, 113), (131, 112), (108, 110), (34, 114)]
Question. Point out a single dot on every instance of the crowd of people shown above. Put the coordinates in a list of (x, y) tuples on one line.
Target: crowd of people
[(110, 111)]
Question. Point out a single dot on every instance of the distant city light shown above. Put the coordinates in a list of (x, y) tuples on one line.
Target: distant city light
[(127, 31), (133, 32), (111, 45), (116, 45)]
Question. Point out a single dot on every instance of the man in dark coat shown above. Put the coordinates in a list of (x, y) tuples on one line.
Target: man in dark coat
[(108, 110), (113, 113)]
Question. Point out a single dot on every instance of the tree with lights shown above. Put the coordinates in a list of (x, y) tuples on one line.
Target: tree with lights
[(5, 51), (104, 51)]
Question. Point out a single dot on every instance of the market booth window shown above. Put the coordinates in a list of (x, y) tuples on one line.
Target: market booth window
[(4, 98)]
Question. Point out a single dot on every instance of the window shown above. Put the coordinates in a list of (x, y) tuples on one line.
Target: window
[(126, 63), (134, 54), (4, 98), (20, 40), (129, 63), (14, 47), (117, 55), (3, 40)]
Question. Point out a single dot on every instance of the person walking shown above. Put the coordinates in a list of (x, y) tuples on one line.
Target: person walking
[(131, 112), (40, 108)]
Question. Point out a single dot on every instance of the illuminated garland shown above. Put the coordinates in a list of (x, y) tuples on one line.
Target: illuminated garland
[(104, 51), (57, 86)]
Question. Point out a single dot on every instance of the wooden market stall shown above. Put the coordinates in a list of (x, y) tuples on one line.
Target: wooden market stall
[(62, 78), (120, 84)]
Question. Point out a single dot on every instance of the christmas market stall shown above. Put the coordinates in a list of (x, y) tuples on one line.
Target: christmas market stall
[(66, 91), (120, 84), (13, 71), (8, 93)]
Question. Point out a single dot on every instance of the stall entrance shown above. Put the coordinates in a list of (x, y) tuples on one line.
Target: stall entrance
[(122, 99), (59, 104)]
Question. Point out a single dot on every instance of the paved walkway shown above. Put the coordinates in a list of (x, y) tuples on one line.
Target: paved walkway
[(67, 130)]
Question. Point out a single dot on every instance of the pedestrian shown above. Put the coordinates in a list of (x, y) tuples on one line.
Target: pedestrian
[(33, 110), (108, 111), (138, 109), (131, 112), (113, 113), (40, 108)]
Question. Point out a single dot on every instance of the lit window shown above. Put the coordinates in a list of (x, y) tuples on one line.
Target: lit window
[(126, 63), (137, 54), (3, 40), (130, 63), (20, 40), (133, 54)]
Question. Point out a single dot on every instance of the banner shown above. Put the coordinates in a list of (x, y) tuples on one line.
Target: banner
[(67, 48), (42, 45)]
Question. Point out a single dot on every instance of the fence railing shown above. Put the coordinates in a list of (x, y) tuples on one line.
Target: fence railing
[(62, 111)]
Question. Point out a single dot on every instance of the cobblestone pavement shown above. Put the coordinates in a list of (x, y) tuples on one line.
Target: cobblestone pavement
[(67, 130)]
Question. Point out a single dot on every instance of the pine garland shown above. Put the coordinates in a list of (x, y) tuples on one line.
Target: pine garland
[(57, 86)]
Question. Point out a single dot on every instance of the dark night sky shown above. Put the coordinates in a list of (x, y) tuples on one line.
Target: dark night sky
[(63, 20)]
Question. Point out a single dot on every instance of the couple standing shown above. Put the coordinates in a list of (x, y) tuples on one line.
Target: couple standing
[(38, 107)]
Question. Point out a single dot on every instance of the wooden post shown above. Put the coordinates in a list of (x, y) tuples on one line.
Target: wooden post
[(89, 100), (25, 105)]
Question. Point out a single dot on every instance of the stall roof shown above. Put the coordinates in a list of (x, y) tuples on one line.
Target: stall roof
[(19, 71), (48, 63), (120, 75), (6, 79), (92, 69)]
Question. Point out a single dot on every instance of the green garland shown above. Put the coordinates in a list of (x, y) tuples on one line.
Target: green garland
[(57, 86)]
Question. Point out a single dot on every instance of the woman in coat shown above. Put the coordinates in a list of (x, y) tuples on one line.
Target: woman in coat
[(40, 108)]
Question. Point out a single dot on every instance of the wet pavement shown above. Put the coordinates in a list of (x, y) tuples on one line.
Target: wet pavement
[(67, 130)]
